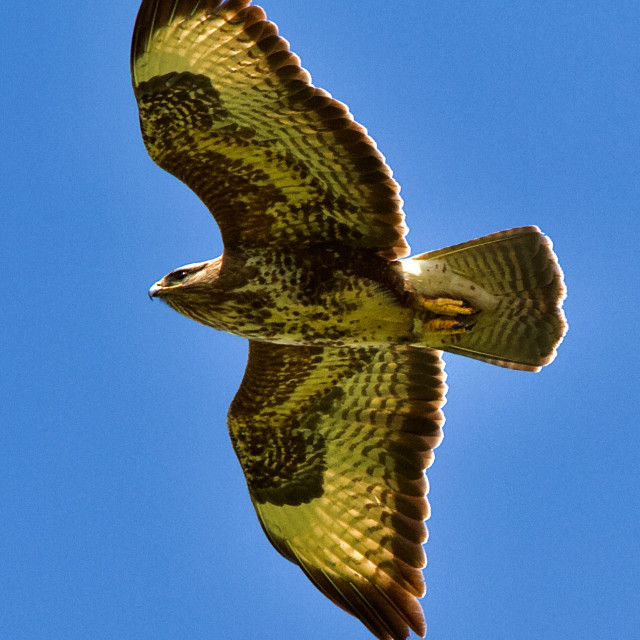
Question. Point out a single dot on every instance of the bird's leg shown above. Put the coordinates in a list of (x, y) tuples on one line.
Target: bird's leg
[(447, 306), (448, 326), (451, 316)]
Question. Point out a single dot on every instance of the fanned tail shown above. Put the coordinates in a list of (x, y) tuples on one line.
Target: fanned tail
[(513, 279)]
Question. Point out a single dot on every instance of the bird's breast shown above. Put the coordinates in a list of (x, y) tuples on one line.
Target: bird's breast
[(310, 298)]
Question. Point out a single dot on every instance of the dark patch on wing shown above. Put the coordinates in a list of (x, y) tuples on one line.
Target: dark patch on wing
[(178, 113), (282, 465), (279, 446)]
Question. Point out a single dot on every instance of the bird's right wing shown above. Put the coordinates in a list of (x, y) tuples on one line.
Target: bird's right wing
[(334, 443), (226, 107)]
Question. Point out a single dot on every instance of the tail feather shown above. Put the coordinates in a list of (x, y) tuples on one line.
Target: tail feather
[(513, 278)]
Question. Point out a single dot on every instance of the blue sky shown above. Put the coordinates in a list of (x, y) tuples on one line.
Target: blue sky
[(123, 511)]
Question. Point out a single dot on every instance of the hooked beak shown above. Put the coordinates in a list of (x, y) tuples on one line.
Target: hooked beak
[(154, 291)]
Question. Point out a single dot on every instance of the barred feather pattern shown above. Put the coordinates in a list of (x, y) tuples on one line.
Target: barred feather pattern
[(334, 444), (227, 108), (513, 279)]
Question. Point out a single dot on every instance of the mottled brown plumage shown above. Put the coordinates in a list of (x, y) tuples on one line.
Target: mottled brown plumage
[(340, 407), (339, 486)]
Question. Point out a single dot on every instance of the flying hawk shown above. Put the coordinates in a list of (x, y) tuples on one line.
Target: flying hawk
[(340, 407)]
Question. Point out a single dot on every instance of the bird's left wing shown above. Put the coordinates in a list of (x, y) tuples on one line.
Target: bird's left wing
[(334, 443)]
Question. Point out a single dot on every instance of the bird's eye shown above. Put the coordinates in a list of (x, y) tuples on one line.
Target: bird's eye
[(179, 275)]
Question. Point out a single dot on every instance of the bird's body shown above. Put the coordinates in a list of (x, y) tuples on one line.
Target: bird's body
[(322, 296), (340, 407)]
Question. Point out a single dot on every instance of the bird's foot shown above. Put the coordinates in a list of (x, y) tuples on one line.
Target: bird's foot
[(447, 306), (449, 326)]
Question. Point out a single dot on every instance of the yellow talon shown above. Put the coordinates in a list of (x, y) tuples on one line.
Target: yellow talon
[(447, 306), (446, 326)]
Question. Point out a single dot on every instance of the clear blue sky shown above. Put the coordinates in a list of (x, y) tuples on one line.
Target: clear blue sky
[(123, 511)]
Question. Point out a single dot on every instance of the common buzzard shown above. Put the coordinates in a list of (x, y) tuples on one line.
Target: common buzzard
[(340, 407)]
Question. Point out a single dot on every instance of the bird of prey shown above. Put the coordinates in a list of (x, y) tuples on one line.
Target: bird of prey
[(340, 407)]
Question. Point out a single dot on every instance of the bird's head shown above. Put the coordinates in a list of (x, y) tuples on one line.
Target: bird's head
[(208, 292), (181, 285)]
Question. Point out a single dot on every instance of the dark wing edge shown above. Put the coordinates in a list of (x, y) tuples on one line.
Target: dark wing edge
[(352, 183), (334, 443)]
